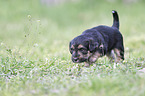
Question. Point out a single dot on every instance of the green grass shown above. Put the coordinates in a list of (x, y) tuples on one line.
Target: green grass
[(34, 55)]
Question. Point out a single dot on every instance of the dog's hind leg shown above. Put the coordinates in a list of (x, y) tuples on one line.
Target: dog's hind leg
[(119, 49), (111, 56), (119, 54)]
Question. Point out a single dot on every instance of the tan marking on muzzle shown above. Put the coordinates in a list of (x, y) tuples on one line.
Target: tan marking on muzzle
[(82, 55)]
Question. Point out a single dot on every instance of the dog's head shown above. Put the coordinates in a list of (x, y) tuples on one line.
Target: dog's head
[(84, 49)]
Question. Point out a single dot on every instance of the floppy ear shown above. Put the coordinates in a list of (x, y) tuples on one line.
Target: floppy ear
[(93, 45)]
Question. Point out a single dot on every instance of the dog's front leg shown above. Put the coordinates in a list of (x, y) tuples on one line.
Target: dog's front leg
[(87, 64)]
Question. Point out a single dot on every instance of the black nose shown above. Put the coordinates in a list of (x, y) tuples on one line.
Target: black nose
[(75, 59)]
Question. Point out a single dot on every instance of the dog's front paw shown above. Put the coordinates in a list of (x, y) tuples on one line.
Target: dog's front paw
[(87, 65)]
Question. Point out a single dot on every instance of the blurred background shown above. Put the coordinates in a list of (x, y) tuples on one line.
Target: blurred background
[(34, 54), (45, 27)]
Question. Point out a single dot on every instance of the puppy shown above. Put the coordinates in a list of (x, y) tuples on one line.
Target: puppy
[(97, 42)]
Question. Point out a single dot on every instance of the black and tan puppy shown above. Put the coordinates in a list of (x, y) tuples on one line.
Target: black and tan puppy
[(97, 42)]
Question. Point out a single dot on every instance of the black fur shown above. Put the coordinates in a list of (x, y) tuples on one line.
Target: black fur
[(116, 19), (101, 39)]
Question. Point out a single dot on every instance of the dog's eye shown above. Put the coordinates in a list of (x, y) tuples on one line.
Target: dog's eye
[(82, 49)]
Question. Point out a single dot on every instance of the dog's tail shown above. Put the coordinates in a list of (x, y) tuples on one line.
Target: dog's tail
[(115, 19)]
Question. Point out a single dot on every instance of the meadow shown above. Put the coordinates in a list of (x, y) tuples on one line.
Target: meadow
[(34, 53)]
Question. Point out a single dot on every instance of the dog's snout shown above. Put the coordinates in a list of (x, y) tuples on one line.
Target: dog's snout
[(75, 58), (75, 54)]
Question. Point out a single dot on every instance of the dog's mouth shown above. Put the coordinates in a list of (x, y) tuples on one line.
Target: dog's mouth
[(79, 60)]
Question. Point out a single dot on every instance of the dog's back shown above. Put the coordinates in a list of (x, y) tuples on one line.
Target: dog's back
[(110, 34)]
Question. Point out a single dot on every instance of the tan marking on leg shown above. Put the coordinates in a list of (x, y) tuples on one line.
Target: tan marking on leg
[(94, 57), (118, 56), (87, 64), (111, 56)]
